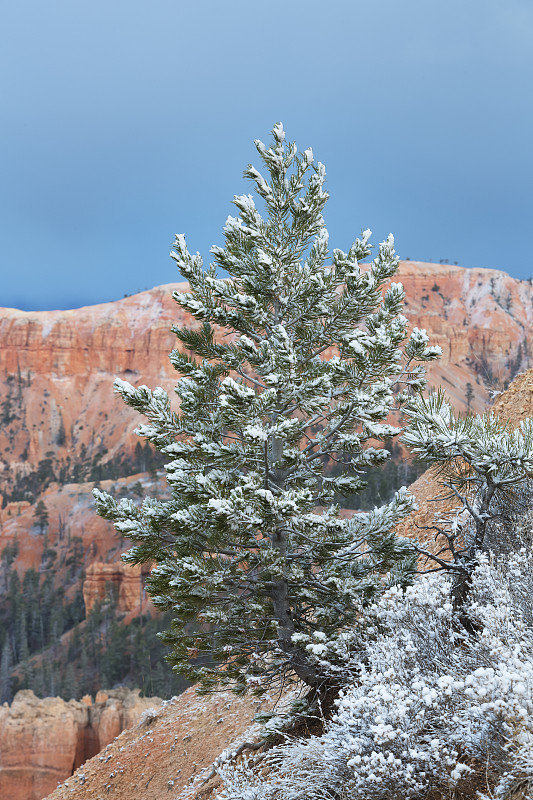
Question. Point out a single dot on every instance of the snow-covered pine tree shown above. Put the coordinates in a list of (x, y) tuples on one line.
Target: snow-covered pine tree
[(295, 367)]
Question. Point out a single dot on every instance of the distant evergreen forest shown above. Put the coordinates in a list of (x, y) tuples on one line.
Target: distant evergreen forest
[(80, 468), (99, 652), (382, 482)]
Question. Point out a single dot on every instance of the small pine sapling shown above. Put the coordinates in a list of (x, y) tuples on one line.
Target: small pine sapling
[(294, 365), (485, 466)]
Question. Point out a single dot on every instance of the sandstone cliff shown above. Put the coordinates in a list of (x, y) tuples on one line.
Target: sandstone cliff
[(481, 318), (82, 541), (56, 370), (43, 741), (127, 578), (56, 367)]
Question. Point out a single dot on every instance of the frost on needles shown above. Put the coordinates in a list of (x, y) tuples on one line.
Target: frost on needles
[(287, 384)]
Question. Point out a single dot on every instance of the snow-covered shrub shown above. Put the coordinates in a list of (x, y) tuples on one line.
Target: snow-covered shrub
[(148, 716), (431, 705), (294, 771)]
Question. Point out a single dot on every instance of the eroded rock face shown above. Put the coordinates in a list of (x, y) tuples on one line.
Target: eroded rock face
[(57, 367), (57, 402), (127, 580), (56, 374), (42, 742), (71, 514), (480, 317)]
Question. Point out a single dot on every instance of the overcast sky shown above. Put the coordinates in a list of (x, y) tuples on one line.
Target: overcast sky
[(124, 122)]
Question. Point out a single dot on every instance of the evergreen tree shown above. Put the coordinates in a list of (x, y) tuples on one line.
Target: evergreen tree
[(296, 365), (469, 395), (24, 658), (6, 682), (69, 690), (61, 436), (85, 685), (41, 515)]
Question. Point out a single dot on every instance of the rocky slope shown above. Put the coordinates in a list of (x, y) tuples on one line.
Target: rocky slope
[(170, 753), (43, 741)]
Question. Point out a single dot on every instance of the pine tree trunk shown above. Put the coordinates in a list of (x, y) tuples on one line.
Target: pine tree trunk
[(463, 582), (280, 588)]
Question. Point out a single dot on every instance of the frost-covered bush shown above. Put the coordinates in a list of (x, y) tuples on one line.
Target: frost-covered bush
[(430, 708)]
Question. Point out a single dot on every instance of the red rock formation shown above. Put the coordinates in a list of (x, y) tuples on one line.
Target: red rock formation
[(480, 317), (43, 741), (71, 514), (127, 580), (56, 367), (56, 371)]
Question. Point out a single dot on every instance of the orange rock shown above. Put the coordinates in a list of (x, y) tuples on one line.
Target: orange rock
[(165, 752), (57, 367), (38, 743), (126, 579), (56, 374), (43, 741), (71, 513), (14, 509)]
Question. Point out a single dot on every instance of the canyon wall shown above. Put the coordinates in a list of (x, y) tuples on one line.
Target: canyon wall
[(482, 319), (84, 544), (56, 367), (42, 742), (56, 371)]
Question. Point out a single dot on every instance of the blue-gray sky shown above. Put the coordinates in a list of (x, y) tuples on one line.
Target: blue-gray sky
[(123, 122)]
